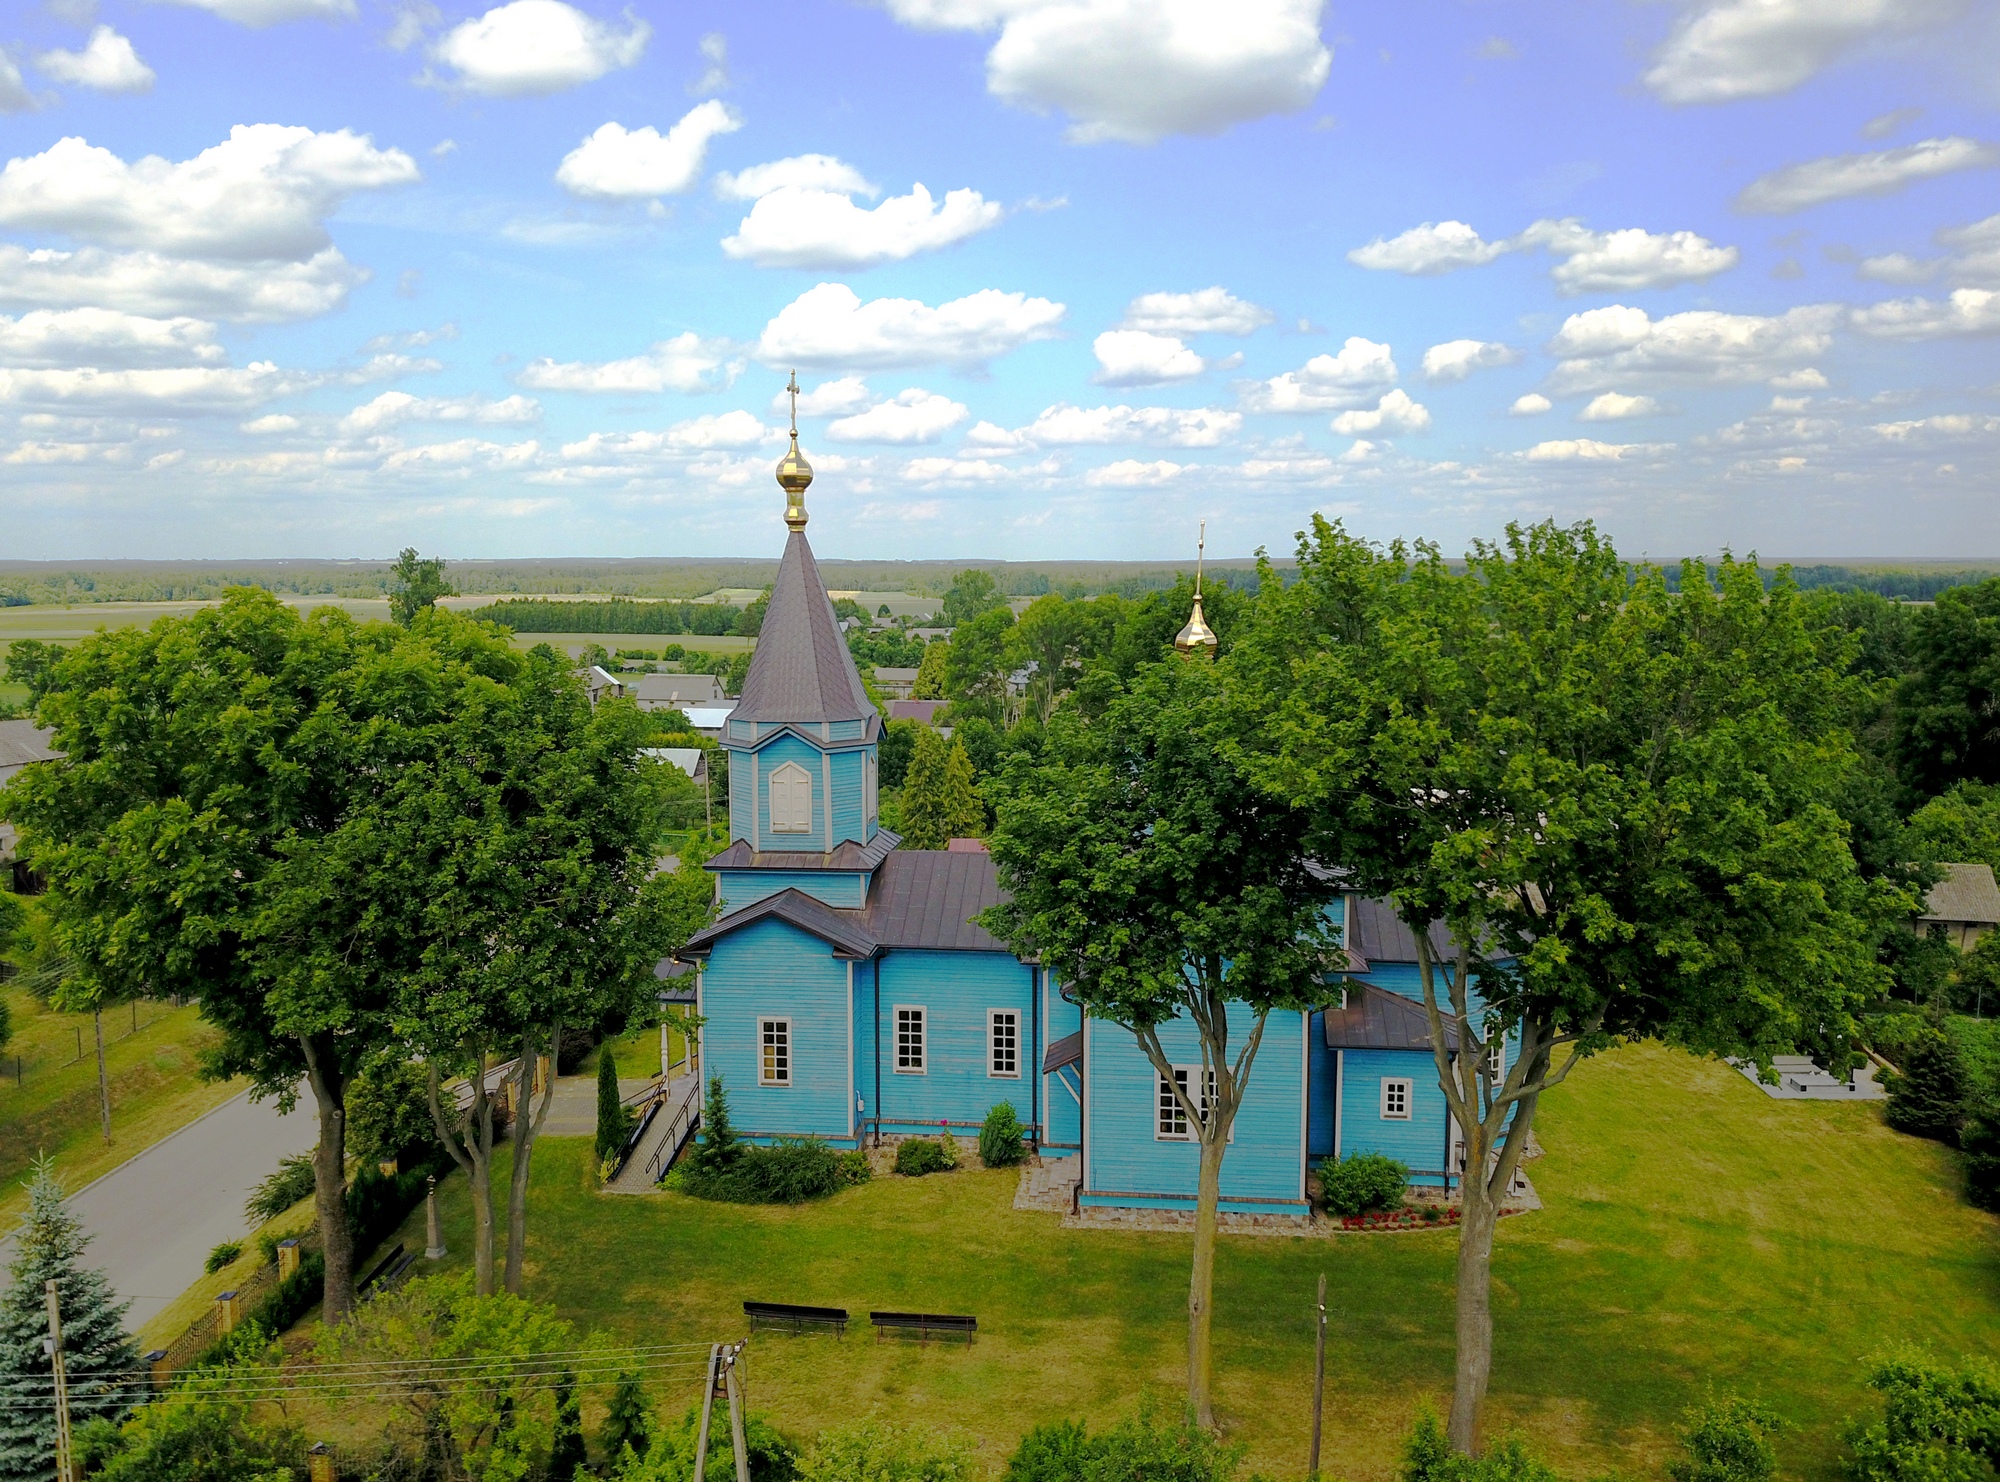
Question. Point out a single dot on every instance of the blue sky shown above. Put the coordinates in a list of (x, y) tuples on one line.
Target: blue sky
[(1060, 277)]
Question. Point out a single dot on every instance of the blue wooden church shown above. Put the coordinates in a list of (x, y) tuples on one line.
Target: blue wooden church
[(847, 993)]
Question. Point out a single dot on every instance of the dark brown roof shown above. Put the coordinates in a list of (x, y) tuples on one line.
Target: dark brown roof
[(846, 855), (1066, 1051), (802, 670), (927, 897), (1376, 932), (1376, 1019), (840, 930), (924, 711)]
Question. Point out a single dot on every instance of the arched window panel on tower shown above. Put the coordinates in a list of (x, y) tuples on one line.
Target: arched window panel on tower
[(791, 800)]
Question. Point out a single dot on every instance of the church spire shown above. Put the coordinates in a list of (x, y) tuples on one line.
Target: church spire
[(1197, 636), (795, 475)]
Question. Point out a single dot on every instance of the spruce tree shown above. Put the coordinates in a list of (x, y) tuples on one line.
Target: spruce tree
[(566, 1453), (97, 1353), (939, 802), (628, 1419), (718, 1147), (611, 1130), (1928, 1098)]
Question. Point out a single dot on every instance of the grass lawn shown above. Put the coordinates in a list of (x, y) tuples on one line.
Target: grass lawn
[(54, 1109), (1696, 1233)]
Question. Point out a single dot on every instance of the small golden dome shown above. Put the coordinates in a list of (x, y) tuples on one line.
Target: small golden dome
[(1197, 636), (795, 476)]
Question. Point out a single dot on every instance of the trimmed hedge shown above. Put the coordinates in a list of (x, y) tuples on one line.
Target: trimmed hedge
[(917, 1156), (1365, 1181), (793, 1170)]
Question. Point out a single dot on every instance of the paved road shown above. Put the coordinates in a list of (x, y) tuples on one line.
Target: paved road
[(154, 1219)]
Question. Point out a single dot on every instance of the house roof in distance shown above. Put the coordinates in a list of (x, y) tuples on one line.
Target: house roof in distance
[(22, 742), (1966, 893), (801, 670)]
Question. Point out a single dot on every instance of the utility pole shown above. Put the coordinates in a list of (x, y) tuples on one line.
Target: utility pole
[(65, 1471), (733, 1378), (707, 1411), (1319, 1378)]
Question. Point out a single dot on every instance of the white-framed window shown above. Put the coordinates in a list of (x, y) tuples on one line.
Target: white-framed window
[(791, 800), (1396, 1098), (910, 1020), (774, 1052), (1496, 1063), (1171, 1125), (1003, 1043)]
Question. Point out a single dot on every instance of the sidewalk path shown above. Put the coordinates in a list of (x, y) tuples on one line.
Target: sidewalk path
[(154, 1218)]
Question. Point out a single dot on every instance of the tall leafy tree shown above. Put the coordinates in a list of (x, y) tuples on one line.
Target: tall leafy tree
[(1160, 883), (939, 802), (98, 1356), (971, 592), (201, 755), (415, 583), (1618, 800), (1948, 706)]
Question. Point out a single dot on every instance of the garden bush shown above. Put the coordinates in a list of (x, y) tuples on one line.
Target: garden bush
[(1148, 1446), (1727, 1441), (223, 1255), (670, 1455), (793, 1170), (1939, 1424), (1428, 1457), (292, 1182), (1000, 1141), (854, 1169), (917, 1156), (1363, 1182), (876, 1452), (292, 1298)]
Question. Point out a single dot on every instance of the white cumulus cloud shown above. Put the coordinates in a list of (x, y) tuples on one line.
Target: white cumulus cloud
[(1362, 370), (273, 422), (830, 326), (828, 399), (1454, 360), (1064, 425), (1205, 311), (107, 64), (530, 48), (1132, 473), (14, 94), (105, 337), (684, 363), (393, 408), (182, 390), (1133, 357), (798, 227), (801, 171), (1723, 50), (1532, 404), (1434, 247), (1614, 406), (1600, 347), (1617, 261), (263, 193), (616, 163), (1586, 450), (716, 431), (1137, 70), (1875, 173), (152, 284), (1968, 311), (1394, 412), (912, 416), (1897, 267), (273, 12)]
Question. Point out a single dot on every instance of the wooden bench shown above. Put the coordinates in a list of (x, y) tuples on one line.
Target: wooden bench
[(386, 1271), (924, 1325), (794, 1318)]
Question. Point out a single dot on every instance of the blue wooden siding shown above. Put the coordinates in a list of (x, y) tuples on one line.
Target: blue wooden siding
[(773, 969), (774, 755), (742, 812), (848, 730), (1320, 1101), (847, 890), (847, 820), (1419, 1143), (1064, 1114), (1126, 1164), (956, 990)]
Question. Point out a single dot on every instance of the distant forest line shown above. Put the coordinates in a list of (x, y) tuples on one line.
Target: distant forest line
[(63, 583)]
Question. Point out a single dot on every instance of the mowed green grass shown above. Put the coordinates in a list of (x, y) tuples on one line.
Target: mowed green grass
[(1696, 1234)]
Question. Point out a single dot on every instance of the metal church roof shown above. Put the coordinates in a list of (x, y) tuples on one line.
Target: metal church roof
[(801, 670), (1376, 1019)]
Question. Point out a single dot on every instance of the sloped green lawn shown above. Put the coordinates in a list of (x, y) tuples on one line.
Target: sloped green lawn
[(1696, 1234)]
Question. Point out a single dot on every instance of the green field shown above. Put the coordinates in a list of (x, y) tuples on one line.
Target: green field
[(1696, 1233)]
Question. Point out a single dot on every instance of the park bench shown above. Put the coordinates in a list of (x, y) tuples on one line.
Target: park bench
[(388, 1271), (794, 1318), (924, 1325)]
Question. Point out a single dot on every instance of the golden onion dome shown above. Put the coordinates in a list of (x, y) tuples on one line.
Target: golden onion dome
[(795, 476), (1197, 636)]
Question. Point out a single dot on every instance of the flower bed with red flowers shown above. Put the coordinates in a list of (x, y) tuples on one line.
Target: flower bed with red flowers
[(1409, 1218)]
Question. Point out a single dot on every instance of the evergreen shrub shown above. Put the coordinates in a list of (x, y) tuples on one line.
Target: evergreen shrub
[(1000, 1142), (917, 1156), (614, 1121), (1364, 1181), (1928, 1098)]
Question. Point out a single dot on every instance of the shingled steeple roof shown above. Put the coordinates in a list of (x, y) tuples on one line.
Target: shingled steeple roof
[(801, 671)]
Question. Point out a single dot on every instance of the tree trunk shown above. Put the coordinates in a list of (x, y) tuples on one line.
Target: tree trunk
[(1201, 1281), (470, 1144), (103, 1081), (525, 1128), (329, 1088), (1477, 1214)]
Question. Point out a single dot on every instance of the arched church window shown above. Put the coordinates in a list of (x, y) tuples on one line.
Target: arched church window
[(791, 800)]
